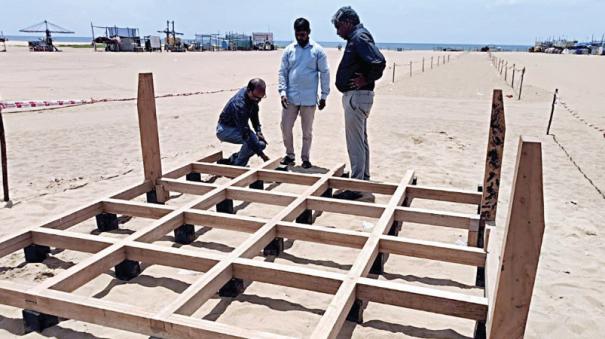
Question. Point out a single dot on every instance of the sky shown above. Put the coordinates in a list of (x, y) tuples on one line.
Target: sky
[(406, 21)]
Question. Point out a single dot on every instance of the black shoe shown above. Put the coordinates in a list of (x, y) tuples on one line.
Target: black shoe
[(348, 195), (224, 161), (307, 164), (287, 161)]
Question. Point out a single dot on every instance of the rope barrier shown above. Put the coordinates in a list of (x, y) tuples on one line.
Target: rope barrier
[(501, 65), (441, 60)]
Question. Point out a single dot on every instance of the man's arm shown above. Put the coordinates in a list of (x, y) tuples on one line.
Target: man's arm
[(324, 73), (369, 53), (283, 74)]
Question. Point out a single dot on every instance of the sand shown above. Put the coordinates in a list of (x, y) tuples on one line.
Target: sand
[(434, 122)]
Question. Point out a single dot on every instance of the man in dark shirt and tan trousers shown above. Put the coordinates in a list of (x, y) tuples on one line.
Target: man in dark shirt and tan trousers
[(361, 65)]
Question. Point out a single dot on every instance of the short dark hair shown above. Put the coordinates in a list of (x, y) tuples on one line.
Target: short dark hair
[(345, 14), (302, 24), (256, 83)]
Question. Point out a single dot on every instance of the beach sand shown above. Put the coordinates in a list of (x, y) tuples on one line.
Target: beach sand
[(435, 122)]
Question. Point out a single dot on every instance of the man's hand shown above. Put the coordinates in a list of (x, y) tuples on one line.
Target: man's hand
[(358, 81), (263, 156), (261, 137), (284, 101), (322, 104)]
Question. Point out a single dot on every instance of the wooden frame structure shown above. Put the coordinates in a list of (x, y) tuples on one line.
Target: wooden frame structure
[(225, 272)]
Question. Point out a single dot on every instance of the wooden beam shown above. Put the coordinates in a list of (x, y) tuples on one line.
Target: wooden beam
[(437, 218), (362, 186), (521, 245), (422, 298), (214, 157), (433, 250), (493, 159), (345, 207), (287, 275), (148, 128), (75, 217), (171, 257), (196, 188), (287, 177), (70, 240), (322, 235), (14, 242), (134, 191), (218, 169), (136, 209), (223, 221), (261, 197), (444, 194), (178, 172)]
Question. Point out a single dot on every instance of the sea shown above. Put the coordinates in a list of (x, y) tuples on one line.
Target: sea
[(396, 46)]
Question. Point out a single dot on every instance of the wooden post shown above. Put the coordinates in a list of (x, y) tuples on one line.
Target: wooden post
[(521, 246), (438, 60), (506, 71), (410, 69), (148, 128), (422, 65), (521, 83), (512, 83), (444, 59), (501, 66), (493, 158), (431, 62), (448, 58), (4, 159), (393, 72), (552, 110)]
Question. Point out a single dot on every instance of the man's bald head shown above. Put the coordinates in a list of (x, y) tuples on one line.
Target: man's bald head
[(256, 89)]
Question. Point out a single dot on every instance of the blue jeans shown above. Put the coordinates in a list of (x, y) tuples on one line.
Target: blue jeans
[(233, 135)]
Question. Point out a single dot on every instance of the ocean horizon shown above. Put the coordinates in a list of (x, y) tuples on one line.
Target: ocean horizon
[(429, 46)]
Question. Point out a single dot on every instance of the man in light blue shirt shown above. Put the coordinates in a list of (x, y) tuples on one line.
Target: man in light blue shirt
[(304, 63)]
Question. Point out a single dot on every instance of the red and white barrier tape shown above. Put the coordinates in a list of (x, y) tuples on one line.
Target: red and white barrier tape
[(28, 104)]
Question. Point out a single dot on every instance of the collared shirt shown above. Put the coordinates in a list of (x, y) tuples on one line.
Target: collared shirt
[(299, 72), (360, 56), (237, 112)]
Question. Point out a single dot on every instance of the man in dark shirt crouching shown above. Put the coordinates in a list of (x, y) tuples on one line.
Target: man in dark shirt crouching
[(361, 65), (233, 126)]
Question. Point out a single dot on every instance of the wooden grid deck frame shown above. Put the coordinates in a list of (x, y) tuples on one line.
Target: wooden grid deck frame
[(504, 309)]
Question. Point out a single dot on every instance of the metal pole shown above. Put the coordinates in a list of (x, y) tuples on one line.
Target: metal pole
[(4, 161), (410, 68), (521, 83), (393, 72), (552, 110)]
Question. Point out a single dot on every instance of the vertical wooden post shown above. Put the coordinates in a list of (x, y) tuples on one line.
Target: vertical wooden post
[(4, 158), (393, 72), (493, 158), (422, 65), (506, 71), (448, 58), (444, 59), (148, 128), (512, 83), (521, 83), (438, 60), (410, 69), (501, 66), (552, 110), (431, 62), (521, 246)]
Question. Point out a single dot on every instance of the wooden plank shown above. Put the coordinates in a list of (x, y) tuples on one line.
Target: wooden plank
[(345, 207), (437, 218), (148, 128), (85, 271), (433, 250), (322, 235), (70, 240), (261, 197), (493, 159), (444, 194), (171, 257), (521, 245), (136, 209), (287, 275), (75, 217), (422, 298), (362, 186), (287, 177), (223, 221), (129, 318), (14, 242), (214, 157), (134, 191), (336, 313), (218, 169), (178, 172), (159, 228), (190, 187)]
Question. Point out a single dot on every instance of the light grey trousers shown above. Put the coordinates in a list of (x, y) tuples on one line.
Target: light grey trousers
[(288, 118), (357, 106)]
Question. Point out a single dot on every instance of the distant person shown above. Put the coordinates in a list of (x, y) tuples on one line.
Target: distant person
[(361, 65), (233, 126), (303, 63)]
